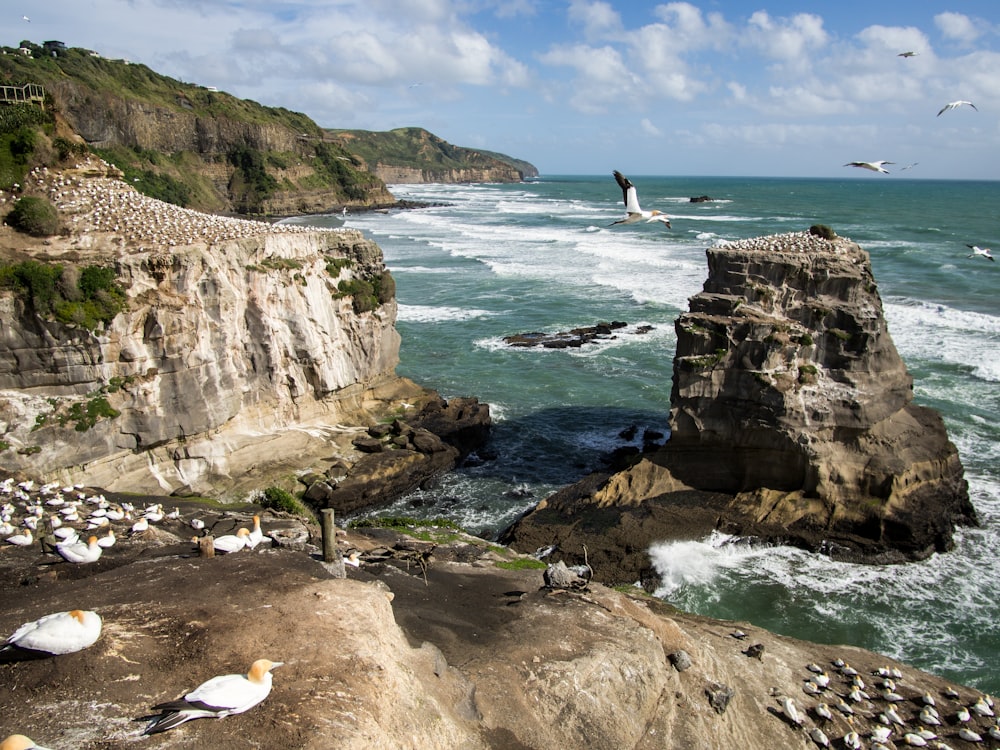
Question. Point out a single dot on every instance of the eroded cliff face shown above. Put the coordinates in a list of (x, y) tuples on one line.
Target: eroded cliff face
[(234, 358), (792, 417), (393, 175)]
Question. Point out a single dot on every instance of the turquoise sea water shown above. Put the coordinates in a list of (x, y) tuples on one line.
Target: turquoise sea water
[(539, 256)]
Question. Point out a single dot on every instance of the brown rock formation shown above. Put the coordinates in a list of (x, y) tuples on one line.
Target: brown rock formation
[(239, 357), (792, 418), (454, 652)]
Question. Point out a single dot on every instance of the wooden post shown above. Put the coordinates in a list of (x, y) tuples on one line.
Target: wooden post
[(206, 546), (329, 536)]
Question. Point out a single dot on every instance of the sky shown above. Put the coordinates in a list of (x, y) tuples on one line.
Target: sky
[(763, 88)]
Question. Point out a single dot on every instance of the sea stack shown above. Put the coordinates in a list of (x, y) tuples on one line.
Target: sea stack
[(792, 419)]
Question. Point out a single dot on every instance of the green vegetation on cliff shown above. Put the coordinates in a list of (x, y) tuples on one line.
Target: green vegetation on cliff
[(86, 296), (415, 148), (195, 146)]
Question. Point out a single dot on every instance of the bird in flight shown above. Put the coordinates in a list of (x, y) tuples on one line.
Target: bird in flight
[(907, 54), (632, 211), (955, 105), (984, 251), (909, 166), (874, 166)]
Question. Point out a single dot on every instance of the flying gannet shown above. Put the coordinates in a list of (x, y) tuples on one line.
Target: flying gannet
[(984, 251), (218, 697), (954, 105), (874, 166), (907, 54), (632, 210)]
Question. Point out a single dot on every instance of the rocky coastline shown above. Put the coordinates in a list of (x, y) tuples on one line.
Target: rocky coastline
[(429, 637)]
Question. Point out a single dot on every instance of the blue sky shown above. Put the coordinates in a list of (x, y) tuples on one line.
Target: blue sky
[(767, 88)]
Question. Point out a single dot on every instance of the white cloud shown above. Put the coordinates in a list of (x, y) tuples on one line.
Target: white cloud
[(791, 41), (957, 27), (598, 19), (649, 128)]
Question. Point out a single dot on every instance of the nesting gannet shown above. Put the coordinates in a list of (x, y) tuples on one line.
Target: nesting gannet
[(929, 716), (963, 714), (53, 635), (78, 552), (108, 540), (232, 542), (954, 105), (24, 539), (969, 736), (891, 716), (19, 741), (874, 166), (790, 711), (197, 524), (353, 560), (218, 697), (881, 733), (983, 251), (911, 738), (981, 707), (632, 210), (818, 736), (852, 740), (140, 526), (823, 711)]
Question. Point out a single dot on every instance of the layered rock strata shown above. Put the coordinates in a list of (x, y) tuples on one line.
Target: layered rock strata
[(240, 356), (792, 418)]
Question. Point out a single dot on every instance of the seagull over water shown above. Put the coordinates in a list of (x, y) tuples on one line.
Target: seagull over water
[(874, 166), (955, 105), (984, 251), (632, 210)]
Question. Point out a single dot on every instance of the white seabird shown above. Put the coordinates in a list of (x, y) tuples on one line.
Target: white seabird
[(983, 251), (24, 539), (232, 542), (819, 737), (632, 211), (969, 736), (790, 711), (19, 741), (852, 740), (256, 535), (78, 552), (218, 697), (955, 105), (53, 635), (874, 166)]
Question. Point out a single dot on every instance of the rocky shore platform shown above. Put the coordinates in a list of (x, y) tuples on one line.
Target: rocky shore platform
[(435, 639)]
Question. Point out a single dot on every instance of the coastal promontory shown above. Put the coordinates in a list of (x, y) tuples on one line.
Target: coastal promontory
[(792, 420)]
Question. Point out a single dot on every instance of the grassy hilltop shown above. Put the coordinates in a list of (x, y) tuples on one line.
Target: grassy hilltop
[(195, 146)]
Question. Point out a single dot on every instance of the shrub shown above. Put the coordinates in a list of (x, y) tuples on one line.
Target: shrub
[(278, 499), (823, 231), (86, 296), (385, 288), (35, 216)]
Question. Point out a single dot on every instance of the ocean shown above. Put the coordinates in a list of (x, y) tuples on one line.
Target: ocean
[(497, 260)]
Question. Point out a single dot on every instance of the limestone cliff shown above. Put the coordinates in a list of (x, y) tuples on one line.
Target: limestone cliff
[(241, 355), (792, 415)]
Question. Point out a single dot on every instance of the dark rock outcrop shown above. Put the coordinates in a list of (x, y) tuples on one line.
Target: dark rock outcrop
[(399, 457), (792, 419), (573, 338)]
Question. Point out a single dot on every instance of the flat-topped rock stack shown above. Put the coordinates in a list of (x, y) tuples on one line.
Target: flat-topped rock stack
[(792, 418)]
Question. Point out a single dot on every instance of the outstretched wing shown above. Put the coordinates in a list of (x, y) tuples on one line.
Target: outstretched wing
[(628, 193)]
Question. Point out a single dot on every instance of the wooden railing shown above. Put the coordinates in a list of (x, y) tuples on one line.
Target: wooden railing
[(30, 93)]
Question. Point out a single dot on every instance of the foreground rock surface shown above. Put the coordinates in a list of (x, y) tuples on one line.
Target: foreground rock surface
[(792, 419), (423, 645)]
